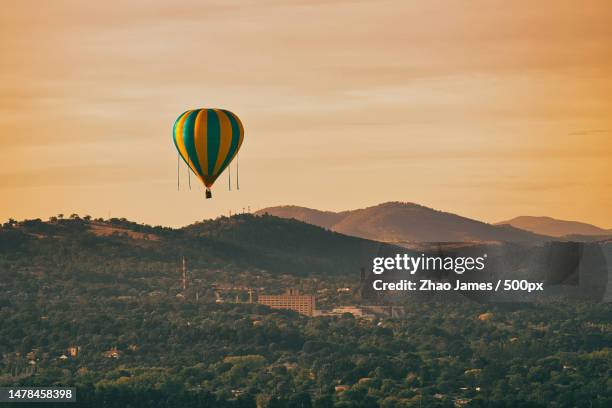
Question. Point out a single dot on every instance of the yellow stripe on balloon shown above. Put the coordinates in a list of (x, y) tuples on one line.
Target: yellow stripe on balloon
[(225, 136), (241, 134), (199, 136), (180, 142)]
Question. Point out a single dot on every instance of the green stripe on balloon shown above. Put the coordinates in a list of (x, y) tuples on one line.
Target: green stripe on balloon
[(214, 140)]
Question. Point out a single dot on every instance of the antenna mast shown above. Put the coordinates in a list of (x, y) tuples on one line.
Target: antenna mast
[(184, 275)]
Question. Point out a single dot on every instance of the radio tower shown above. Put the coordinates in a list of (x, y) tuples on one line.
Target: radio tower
[(184, 275)]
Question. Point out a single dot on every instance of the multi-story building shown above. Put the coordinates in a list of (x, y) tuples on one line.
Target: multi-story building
[(292, 300)]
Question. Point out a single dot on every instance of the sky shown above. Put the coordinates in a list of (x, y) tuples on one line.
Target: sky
[(487, 109)]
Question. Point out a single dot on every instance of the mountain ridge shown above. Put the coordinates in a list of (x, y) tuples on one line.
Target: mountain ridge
[(397, 221), (555, 227)]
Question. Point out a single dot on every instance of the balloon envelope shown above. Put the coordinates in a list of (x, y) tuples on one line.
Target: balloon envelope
[(208, 140)]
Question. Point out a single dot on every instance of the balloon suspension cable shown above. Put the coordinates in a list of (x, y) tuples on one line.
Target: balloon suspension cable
[(229, 177), (178, 173), (237, 184), (189, 176)]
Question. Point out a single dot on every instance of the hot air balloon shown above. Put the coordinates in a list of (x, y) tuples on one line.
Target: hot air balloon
[(208, 140)]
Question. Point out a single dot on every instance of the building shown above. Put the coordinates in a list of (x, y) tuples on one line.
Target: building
[(73, 351), (292, 300), (112, 353), (342, 388), (354, 310)]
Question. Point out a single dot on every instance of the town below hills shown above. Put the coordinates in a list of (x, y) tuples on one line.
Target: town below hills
[(100, 305)]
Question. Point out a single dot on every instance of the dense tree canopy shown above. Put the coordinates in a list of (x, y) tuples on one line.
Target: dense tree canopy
[(105, 313)]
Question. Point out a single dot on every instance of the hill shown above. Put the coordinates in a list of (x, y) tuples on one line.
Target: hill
[(554, 227), (242, 242), (324, 219), (406, 222)]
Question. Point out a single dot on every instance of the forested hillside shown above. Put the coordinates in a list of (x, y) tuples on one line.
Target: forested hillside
[(98, 305), (92, 248)]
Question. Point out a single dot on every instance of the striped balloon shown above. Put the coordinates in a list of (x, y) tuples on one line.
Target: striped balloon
[(208, 140)]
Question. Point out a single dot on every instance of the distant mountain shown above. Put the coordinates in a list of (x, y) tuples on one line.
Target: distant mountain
[(555, 228), (324, 219), (399, 222)]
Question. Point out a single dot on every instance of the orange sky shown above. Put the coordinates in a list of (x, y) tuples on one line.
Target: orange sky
[(483, 108)]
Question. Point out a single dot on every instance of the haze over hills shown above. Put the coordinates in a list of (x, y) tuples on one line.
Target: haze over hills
[(324, 219), (405, 222), (554, 227)]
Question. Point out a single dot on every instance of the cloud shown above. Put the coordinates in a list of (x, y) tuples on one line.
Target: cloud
[(589, 132)]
